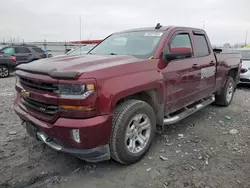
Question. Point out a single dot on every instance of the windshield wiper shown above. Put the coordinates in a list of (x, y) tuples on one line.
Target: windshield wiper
[(103, 54)]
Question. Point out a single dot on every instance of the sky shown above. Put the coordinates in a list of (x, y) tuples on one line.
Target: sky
[(226, 21)]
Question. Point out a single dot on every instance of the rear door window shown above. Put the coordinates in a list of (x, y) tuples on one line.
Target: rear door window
[(22, 50), (201, 45), (38, 50)]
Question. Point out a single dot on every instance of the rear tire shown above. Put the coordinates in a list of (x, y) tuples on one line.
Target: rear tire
[(4, 71), (133, 130), (226, 95)]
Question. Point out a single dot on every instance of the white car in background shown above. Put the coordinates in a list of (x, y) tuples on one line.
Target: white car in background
[(245, 70)]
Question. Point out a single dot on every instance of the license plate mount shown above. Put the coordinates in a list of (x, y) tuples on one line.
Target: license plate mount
[(31, 129)]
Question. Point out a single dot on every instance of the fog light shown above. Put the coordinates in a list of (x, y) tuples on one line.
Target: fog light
[(75, 133)]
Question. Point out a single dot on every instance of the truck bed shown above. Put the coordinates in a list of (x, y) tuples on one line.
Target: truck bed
[(225, 60)]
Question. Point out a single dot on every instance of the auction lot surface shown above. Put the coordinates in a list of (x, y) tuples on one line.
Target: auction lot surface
[(207, 149)]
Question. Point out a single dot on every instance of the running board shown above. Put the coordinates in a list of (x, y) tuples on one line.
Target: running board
[(188, 111)]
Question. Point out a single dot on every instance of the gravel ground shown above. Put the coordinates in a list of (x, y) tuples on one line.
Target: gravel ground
[(207, 149)]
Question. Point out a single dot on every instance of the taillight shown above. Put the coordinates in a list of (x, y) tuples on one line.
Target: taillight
[(13, 59), (44, 55)]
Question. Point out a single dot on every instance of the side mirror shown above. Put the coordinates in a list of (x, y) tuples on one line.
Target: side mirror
[(177, 53)]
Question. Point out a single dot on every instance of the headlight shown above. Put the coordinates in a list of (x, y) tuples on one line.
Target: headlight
[(75, 91)]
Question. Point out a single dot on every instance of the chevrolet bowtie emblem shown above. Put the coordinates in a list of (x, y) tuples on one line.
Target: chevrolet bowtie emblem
[(25, 93)]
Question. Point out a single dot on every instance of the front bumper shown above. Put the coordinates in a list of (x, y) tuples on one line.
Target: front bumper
[(245, 78), (97, 154), (94, 134)]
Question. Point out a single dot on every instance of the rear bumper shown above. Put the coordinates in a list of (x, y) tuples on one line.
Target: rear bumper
[(11, 66), (94, 134)]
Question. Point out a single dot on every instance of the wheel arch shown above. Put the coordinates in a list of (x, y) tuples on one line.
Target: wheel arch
[(233, 72), (153, 97)]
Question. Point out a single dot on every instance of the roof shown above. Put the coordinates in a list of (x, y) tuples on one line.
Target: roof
[(23, 45), (163, 28)]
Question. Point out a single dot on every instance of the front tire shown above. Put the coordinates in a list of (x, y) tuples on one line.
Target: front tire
[(133, 130), (4, 71), (226, 95)]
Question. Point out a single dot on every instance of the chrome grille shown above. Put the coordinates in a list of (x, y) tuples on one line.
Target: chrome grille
[(38, 85), (40, 107)]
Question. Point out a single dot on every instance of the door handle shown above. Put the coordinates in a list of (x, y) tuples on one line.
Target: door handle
[(195, 66), (212, 63)]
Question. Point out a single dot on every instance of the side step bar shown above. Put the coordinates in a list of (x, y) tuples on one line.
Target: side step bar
[(188, 111)]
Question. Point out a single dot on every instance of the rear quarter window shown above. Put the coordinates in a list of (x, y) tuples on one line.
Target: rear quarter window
[(22, 50), (38, 50)]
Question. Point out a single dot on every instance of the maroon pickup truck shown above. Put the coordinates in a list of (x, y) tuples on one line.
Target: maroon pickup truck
[(110, 102)]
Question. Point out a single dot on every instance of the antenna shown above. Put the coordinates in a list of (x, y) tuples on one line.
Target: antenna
[(80, 19), (158, 26), (246, 38), (204, 25)]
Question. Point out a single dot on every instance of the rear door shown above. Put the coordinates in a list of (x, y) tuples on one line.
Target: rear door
[(206, 63), (22, 54), (181, 76)]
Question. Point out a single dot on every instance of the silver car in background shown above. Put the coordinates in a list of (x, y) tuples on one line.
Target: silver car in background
[(245, 70)]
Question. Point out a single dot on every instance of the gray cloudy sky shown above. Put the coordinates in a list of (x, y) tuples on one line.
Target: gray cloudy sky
[(58, 20)]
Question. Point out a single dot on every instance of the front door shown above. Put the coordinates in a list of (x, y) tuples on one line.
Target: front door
[(181, 76)]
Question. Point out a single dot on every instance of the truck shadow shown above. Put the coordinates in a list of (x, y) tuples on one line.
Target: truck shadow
[(243, 86), (70, 167)]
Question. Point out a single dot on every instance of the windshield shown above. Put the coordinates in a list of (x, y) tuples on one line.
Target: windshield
[(245, 54), (138, 44), (81, 50)]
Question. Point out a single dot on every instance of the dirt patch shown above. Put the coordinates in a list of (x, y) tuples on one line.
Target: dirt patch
[(207, 149)]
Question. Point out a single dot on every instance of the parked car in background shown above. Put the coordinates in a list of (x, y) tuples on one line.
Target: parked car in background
[(48, 55), (245, 70), (7, 65), (24, 53), (109, 102)]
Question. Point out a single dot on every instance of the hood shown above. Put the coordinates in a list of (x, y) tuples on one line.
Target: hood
[(71, 67), (246, 64)]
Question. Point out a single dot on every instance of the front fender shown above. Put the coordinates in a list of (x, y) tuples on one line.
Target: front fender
[(112, 90)]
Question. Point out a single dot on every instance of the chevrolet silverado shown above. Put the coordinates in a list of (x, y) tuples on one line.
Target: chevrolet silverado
[(110, 102)]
